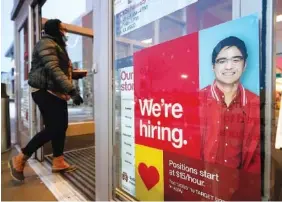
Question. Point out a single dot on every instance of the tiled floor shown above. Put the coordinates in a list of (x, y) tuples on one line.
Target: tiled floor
[(33, 189)]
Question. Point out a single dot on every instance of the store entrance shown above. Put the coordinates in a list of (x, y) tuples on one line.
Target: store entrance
[(79, 144), (77, 18), (80, 132)]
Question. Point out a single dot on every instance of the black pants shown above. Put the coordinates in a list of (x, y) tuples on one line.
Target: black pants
[(55, 116)]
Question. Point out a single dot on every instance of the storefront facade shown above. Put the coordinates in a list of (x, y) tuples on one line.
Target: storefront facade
[(158, 95)]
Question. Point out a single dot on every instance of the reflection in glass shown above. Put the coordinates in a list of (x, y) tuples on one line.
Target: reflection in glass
[(80, 52)]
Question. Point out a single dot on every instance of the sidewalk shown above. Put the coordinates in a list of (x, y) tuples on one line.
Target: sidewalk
[(33, 189)]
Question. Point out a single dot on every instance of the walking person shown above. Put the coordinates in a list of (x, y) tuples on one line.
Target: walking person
[(51, 80)]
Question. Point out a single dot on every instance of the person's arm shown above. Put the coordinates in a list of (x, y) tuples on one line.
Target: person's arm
[(49, 57)]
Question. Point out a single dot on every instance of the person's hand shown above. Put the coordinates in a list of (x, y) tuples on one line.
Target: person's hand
[(77, 99), (65, 97)]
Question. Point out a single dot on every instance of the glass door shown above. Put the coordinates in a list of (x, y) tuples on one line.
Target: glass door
[(80, 50), (25, 105), (77, 18)]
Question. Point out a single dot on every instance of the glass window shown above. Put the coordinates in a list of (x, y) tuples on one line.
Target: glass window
[(81, 54), (138, 25), (79, 47), (146, 35), (74, 11)]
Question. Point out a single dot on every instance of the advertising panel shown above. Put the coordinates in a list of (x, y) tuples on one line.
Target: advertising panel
[(126, 88), (197, 116)]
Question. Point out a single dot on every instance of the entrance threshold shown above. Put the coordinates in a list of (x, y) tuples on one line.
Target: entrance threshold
[(60, 188)]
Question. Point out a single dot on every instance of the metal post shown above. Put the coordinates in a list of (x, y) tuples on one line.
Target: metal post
[(270, 78), (38, 117), (31, 109), (266, 12), (156, 32), (103, 98)]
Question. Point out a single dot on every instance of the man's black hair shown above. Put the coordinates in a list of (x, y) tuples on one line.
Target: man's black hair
[(229, 42), (52, 28)]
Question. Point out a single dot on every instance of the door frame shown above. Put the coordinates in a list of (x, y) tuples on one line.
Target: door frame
[(103, 84), (36, 123)]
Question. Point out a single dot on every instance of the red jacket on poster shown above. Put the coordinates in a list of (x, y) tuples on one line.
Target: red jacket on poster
[(230, 135)]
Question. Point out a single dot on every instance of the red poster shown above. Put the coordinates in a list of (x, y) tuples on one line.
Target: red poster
[(197, 119), (166, 109)]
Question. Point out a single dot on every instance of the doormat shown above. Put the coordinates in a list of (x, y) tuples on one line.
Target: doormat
[(83, 179)]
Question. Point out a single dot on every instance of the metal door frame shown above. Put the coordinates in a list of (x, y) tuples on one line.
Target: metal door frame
[(23, 16), (103, 84), (36, 121), (31, 108), (24, 12)]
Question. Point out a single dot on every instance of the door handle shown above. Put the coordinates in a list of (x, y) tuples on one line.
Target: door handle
[(95, 68)]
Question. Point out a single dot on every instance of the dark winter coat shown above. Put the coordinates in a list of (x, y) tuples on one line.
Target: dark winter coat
[(51, 67)]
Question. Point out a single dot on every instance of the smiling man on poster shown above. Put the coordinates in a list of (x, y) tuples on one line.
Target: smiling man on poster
[(230, 113)]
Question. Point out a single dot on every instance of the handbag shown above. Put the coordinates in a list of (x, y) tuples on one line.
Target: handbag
[(38, 78)]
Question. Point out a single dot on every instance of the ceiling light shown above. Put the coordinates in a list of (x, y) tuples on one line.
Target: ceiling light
[(279, 80), (184, 76), (147, 41), (279, 18)]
